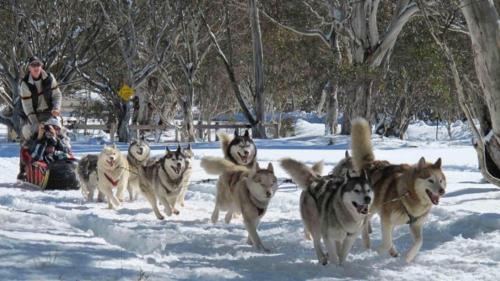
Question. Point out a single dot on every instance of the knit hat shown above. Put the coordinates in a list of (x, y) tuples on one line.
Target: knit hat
[(54, 122)]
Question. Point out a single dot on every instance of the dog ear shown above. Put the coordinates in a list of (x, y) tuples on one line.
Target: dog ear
[(247, 134), (236, 132), (167, 149), (347, 154), (114, 145), (421, 163), (348, 175), (178, 148), (438, 163), (270, 167)]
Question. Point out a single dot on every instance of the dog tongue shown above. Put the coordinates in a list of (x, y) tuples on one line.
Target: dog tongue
[(362, 209), (434, 199)]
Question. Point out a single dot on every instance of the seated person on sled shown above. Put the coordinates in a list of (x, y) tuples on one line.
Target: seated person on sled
[(50, 144)]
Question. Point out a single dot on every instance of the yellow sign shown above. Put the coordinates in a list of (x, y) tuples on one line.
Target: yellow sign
[(126, 92)]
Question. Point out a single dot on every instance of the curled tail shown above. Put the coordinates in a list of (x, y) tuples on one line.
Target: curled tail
[(225, 140), (301, 174), (218, 166), (361, 144)]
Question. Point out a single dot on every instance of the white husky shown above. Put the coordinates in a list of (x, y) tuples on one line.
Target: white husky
[(112, 172)]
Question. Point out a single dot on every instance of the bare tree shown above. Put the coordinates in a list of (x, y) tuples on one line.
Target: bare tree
[(141, 31), (351, 29), (58, 32), (259, 131), (191, 48)]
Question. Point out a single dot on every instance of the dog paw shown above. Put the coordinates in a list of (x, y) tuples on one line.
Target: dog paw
[(323, 260), (249, 241), (176, 212), (394, 253)]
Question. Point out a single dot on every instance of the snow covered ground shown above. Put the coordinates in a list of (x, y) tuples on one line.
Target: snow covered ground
[(55, 235)]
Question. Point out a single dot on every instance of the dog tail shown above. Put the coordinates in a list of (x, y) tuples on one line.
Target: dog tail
[(301, 174), (225, 140), (361, 144), (217, 166)]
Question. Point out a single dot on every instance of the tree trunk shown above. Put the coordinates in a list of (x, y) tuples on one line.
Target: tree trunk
[(188, 133), (482, 20), (332, 111), (123, 126), (258, 62)]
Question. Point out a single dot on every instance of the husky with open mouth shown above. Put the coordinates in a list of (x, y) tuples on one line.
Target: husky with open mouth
[(240, 150), (404, 194), (163, 180), (112, 173), (333, 208)]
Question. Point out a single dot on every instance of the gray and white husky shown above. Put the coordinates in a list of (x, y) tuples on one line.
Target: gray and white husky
[(163, 180), (248, 193), (333, 208), (138, 154), (240, 150), (87, 175)]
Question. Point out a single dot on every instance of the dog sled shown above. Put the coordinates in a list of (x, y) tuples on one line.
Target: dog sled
[(58, 174)]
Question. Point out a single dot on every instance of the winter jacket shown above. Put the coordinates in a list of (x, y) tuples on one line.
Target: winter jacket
[(34, 95)]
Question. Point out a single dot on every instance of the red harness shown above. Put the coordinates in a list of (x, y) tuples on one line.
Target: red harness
[(114, 183)]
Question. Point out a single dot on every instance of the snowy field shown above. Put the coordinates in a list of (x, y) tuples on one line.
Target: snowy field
[(55, 235)]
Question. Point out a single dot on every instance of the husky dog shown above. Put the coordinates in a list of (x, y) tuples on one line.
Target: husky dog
[(163, 180), (404, 194), (138, 154), (240, 150), (248, 193), (112, 172), (87, 175), (332, 208), (188, 153)]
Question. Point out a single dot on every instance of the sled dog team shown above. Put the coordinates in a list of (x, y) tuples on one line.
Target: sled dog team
[(335, 208)]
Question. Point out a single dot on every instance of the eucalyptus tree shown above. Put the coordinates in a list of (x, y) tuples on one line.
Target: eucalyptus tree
[(141, 34), (56, 31), (483, 19), (361, 36)]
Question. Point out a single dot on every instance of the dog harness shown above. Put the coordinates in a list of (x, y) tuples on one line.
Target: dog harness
[(411, 218), (114, 183), (256, 203)]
